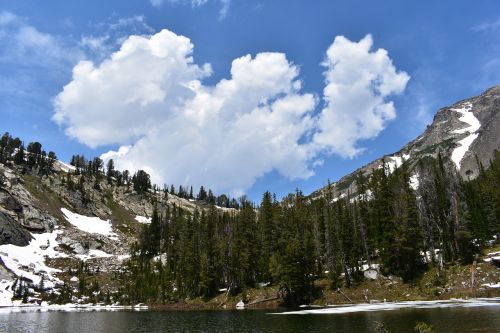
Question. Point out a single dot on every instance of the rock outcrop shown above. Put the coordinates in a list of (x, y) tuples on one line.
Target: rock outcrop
[(11, 232)]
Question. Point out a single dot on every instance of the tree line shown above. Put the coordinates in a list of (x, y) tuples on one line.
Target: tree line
[(142, 184), (32, 156), (387, 224)]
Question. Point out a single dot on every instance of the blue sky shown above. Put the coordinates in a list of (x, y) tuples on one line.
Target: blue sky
[(436, 54)]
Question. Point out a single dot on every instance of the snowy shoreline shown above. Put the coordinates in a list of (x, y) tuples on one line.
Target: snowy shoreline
[(308, 309), (69, 308), (391, 306)]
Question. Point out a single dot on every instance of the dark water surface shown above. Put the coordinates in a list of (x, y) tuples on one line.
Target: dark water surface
[(477, 319)]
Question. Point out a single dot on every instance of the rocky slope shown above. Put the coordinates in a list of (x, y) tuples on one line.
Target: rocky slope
[(47, 229), (461, 132)]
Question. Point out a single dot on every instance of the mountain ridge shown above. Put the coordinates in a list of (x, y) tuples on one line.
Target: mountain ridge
[(440, 136)]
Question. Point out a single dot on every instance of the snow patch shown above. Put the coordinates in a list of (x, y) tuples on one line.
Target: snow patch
[(92, 225), (467, 117), (492, 256), (93, 254), (70, 307), (143, 219), (414, 182), (6, 293), (29, 262), (341, 196), (65, 167), (395, 162), (491, 285), (365, 307)]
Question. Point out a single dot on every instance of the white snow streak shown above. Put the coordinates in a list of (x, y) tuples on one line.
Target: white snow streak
[(414, 182), (467, 117)]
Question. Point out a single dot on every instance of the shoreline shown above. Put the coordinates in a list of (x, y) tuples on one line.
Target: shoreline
[(302, 309)]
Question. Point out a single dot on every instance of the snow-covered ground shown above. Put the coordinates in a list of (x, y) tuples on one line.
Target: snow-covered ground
[(143, 219), (396, 162), (29, 262), (388, 306), (70, 307), (341, 196), (92, 225), (491, 285), (467, 117), (65, 167), (93, 254)]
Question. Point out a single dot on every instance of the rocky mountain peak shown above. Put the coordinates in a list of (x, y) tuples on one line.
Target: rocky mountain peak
[(463, 133)]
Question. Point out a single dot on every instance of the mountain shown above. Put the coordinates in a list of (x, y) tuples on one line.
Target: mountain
[(464, 133), (58, 221)]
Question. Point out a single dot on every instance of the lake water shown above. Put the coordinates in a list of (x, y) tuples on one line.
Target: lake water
[(456, 319)]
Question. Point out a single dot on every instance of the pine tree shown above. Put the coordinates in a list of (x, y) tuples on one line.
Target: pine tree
[(110, 173), (141, 181), (267, 235)]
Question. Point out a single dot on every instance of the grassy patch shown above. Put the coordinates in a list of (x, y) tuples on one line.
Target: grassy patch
[(122, 219), (46, 198)]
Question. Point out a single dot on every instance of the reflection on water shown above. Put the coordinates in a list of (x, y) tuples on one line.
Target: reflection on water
[(448, 319)]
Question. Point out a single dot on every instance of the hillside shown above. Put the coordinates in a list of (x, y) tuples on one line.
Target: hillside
[(56, 222)]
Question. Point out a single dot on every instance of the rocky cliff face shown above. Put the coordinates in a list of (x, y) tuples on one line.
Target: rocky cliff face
[(460, 133)]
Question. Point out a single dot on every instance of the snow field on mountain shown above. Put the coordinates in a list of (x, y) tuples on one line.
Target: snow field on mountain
[(29, 262), (91, 225), (467, 117)]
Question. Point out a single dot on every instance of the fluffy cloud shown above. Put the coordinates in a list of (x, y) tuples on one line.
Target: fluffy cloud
[(358, 84), (149, 98), (125, 95)]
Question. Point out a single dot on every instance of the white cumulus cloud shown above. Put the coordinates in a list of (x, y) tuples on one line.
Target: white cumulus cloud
[(123, 97), (359, 82), (149, 98)]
